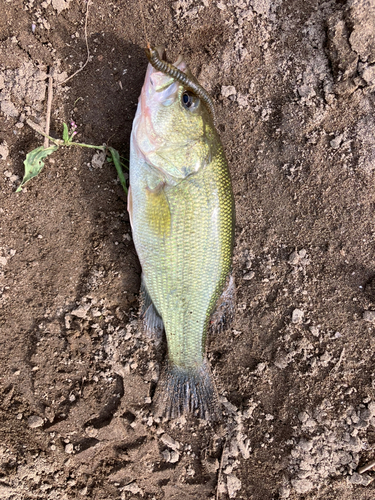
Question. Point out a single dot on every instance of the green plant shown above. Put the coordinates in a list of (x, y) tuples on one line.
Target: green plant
[(34, 159)]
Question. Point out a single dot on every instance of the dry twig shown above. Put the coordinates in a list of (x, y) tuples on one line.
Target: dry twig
[(220, 472), (87, 47), (49, 107), (366, 467)]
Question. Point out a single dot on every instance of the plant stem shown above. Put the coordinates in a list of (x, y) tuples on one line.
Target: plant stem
[(60, 142)]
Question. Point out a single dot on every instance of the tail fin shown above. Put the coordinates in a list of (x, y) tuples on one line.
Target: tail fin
[(182, 391)]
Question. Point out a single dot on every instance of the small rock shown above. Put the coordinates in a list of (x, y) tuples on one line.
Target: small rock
[(69, 448), (91, 431), (297, 316), (170, 442), (284, 492), (233, 485), (369, 316), (227, 91), (362, 479), (306, 91), (35, 421), (325, 358), (305, 445), (3, 261), (371, 407), (248, 276), (336, 142), (81, 312), (242, 100), (261, 7), (282, 360), (368, 74), (294, 258), (303, 416), (98, 159), (60, 5), (133, 488), (302, 485), (68, 320), (4, 150), (9, 109), (314, 330), (175, 456)]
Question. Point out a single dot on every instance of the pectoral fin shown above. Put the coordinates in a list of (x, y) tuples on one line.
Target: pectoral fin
[(157, 209)]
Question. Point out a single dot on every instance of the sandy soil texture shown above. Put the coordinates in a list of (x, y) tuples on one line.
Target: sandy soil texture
[(294, 88)]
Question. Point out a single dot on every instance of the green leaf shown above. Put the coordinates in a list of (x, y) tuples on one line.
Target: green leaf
[(65, 133), (116, 160), (34, 164)]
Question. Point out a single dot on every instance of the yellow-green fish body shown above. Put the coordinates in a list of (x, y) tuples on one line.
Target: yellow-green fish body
[(182, 215)]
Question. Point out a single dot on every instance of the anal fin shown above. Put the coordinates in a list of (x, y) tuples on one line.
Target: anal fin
[(223, 315), (152, 323)]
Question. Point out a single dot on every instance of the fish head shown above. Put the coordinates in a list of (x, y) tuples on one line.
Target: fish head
[(173, 130)]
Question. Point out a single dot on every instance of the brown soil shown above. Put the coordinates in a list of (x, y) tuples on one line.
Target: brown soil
[(293, 83)]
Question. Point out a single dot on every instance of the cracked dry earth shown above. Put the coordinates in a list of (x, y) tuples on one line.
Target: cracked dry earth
[(294, 89)]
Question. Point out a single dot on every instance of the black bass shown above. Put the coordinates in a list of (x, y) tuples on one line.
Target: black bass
[(182, 216)]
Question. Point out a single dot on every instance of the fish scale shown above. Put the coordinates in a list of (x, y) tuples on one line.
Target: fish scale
[(182, 214)]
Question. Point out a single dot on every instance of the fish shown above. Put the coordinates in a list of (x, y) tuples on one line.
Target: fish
[(181, 211)]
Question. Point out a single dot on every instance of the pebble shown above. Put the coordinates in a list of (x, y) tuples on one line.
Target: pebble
[(249, 276), (298, 258), (174, 457), (284, 492), (362, 479), (170, 442), (4, 150), (81, 312), (69, 448), (314, 330), (368, 74), (132, 488), (297, 316), (98, 159), (302, 485), (227, 91), (306, 91), (35, 421), (233, 485), (303, 416), (369, 316), (336, 142)]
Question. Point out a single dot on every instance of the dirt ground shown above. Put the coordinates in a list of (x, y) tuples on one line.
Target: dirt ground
[(293, 84)]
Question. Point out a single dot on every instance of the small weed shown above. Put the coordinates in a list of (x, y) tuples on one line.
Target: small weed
[(34, 159)]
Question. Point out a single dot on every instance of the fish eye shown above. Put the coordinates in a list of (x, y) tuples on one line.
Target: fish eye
[(189, 100)]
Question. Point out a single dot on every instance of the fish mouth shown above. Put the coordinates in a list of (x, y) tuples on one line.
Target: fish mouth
[(163, 87)]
